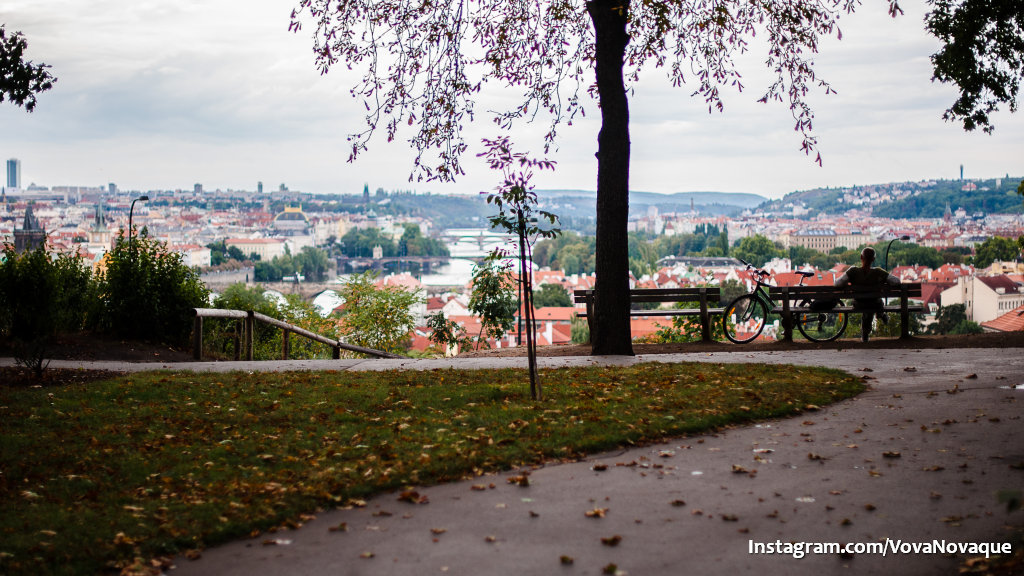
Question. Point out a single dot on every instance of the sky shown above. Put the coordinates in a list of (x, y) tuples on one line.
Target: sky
[(164, 94)]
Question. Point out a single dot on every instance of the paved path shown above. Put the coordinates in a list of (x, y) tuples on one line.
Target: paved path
[(953, 417)]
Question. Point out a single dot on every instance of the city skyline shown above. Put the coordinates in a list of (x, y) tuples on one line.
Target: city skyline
[(158, 96)]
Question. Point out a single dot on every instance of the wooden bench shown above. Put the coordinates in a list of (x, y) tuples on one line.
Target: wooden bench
[(706, 297), (789, 299)]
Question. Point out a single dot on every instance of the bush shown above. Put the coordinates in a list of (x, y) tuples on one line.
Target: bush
[(40, 296), (377, 318), (220, 335), (148, 293)]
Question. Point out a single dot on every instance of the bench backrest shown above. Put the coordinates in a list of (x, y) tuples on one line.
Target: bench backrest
[(713, 293), (912, 290)]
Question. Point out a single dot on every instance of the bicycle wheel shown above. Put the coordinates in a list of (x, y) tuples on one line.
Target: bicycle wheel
[(744, 319), (821, 326)]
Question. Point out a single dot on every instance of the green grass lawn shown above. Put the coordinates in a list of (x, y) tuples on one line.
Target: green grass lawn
[(95, 476)]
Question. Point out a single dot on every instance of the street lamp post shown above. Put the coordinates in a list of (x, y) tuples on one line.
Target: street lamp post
[(903, 238), (131, 212)]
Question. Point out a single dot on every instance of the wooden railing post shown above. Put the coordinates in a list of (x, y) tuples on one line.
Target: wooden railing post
[(284, 344), (705, 318), (197, 337), (904, 312), (787, 316), (250, 324)]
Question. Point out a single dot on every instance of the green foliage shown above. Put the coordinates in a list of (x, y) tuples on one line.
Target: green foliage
[(552, 295), (730, 290), (447, 334), (995, 249), (377, 318), (684, 329), (360, 242), (568, 252), (310, 262), (757, 250), (493, 298), (579, 330), (41, 295), (967, 327), (221, 253), (982, 54), (185, 461), (221, 336), (987, 198), (148, 293), (948, 318), (20, 80)]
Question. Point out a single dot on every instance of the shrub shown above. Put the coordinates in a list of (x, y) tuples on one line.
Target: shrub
[(41, 295), (378, 318), (148, 293)]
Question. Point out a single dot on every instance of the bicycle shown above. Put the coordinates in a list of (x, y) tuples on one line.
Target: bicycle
[(745, 317)]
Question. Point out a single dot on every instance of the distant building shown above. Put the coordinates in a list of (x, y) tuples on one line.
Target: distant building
[(14, 173), (984, 297), (266, 248), (197, 188), (291, 220), (31, 235)]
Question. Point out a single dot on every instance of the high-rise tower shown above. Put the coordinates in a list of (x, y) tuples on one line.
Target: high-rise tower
[(14, 173)]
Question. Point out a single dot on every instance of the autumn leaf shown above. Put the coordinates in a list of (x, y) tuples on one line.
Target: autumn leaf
[(596, 513), (611, 540), (413, 497)]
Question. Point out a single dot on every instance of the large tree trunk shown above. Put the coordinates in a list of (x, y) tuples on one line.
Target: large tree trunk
[(611, 309)]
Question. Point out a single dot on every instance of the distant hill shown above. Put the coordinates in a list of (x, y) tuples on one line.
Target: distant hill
[(705, 203), (923, 199)]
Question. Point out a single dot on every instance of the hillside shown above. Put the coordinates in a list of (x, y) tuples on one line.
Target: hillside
[(924, 199)]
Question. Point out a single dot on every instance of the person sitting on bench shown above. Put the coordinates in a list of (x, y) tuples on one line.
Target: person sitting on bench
[(864, 276)]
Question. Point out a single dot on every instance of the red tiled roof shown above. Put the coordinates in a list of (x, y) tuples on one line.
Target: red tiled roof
[(931, 292), (1012, 321), (1001, 281)]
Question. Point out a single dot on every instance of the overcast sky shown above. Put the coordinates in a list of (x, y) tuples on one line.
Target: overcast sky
[(162, 94)]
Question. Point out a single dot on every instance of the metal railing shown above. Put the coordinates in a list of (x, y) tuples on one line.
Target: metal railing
[(244, 337)]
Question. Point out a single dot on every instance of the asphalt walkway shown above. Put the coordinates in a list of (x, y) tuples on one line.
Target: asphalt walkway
[(919, 457)]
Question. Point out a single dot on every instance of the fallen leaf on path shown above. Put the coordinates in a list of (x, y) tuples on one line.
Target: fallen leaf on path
[(611, 541), (596, 513)]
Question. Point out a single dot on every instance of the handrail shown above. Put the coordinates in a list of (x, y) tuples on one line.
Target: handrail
[(249, 318)]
